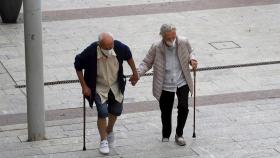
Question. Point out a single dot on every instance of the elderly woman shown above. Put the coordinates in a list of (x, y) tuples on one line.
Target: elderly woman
[(170, 59)]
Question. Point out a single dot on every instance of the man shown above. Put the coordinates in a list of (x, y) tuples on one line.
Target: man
[(170, 59), (103, 82)]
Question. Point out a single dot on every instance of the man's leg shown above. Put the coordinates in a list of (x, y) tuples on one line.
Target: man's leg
[(166, 105), (102, 110), (109, 130), (183, 110), (115, 109), (102, 126), (104, 145), (111, 123)]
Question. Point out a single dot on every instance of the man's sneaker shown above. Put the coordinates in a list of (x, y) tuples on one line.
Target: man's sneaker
[(111, 139), (180, 140), (165, 140), (104, 148)]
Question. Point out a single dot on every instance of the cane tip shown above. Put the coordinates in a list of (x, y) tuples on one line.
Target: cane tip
[(194, 135)]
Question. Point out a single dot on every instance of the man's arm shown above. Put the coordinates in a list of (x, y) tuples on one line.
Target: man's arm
[(134, 78), (80, 64), (127, 55), (85, 89)]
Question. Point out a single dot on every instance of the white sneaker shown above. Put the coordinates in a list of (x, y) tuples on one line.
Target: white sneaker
[(104, 148), (111, 139)]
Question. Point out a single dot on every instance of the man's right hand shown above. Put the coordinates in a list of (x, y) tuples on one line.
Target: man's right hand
[(86, 91), (134, 79)]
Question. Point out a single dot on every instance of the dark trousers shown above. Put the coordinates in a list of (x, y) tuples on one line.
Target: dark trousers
[(166, 106)]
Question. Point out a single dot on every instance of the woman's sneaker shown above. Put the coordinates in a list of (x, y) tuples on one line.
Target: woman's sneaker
[(104, 147), (111, 139), (180, 140)]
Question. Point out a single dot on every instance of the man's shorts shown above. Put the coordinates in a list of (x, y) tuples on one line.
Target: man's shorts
[(110, 106)]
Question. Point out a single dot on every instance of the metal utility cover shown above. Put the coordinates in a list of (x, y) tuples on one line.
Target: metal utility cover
[(224, 45)]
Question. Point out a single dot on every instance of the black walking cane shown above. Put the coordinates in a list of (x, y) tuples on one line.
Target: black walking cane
[(84, 138), (194, 93)]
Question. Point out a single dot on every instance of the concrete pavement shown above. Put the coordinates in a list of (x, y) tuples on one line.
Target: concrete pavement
[(254, 28), (234, 130)]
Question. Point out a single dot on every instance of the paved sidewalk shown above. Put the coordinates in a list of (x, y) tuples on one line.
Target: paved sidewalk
[(240, 116), (254, 26), (234, 130)]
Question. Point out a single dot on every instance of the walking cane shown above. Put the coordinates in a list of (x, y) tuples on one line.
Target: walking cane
[(84, 138), (194, 93)]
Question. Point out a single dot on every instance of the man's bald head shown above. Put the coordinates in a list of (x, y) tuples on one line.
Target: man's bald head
[(106, 40)]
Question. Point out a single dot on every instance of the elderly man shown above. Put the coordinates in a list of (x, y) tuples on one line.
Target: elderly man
[(103, 82), (170, 59)]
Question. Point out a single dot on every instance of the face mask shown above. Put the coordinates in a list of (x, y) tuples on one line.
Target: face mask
[(171, 43), (106, 52)]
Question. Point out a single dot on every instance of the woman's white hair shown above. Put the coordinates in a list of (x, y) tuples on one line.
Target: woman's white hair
[(166, 28), (102, 35)]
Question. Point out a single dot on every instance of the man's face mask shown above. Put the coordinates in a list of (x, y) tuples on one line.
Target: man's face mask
[(107, 52)]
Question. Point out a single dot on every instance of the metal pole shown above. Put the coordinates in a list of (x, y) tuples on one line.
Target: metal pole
[(34, 69)]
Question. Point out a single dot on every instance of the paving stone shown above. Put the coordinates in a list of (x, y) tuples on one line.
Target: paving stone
[(49, 135), (79, 153), (21, 153), (55, 142), (9, 140), (13, 133), (155, 149), (260, 143), (269, 106), (79, 133), (54, 149), (219, 150), (161, 154), (61, 5), (15, 147), (269, 152), (91, 120)]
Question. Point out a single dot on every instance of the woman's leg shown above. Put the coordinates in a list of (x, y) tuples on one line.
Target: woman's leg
[(166, 106), (183, 109)]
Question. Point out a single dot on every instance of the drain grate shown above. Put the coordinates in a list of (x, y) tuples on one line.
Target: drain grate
[(224, 45), (150, 74)]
